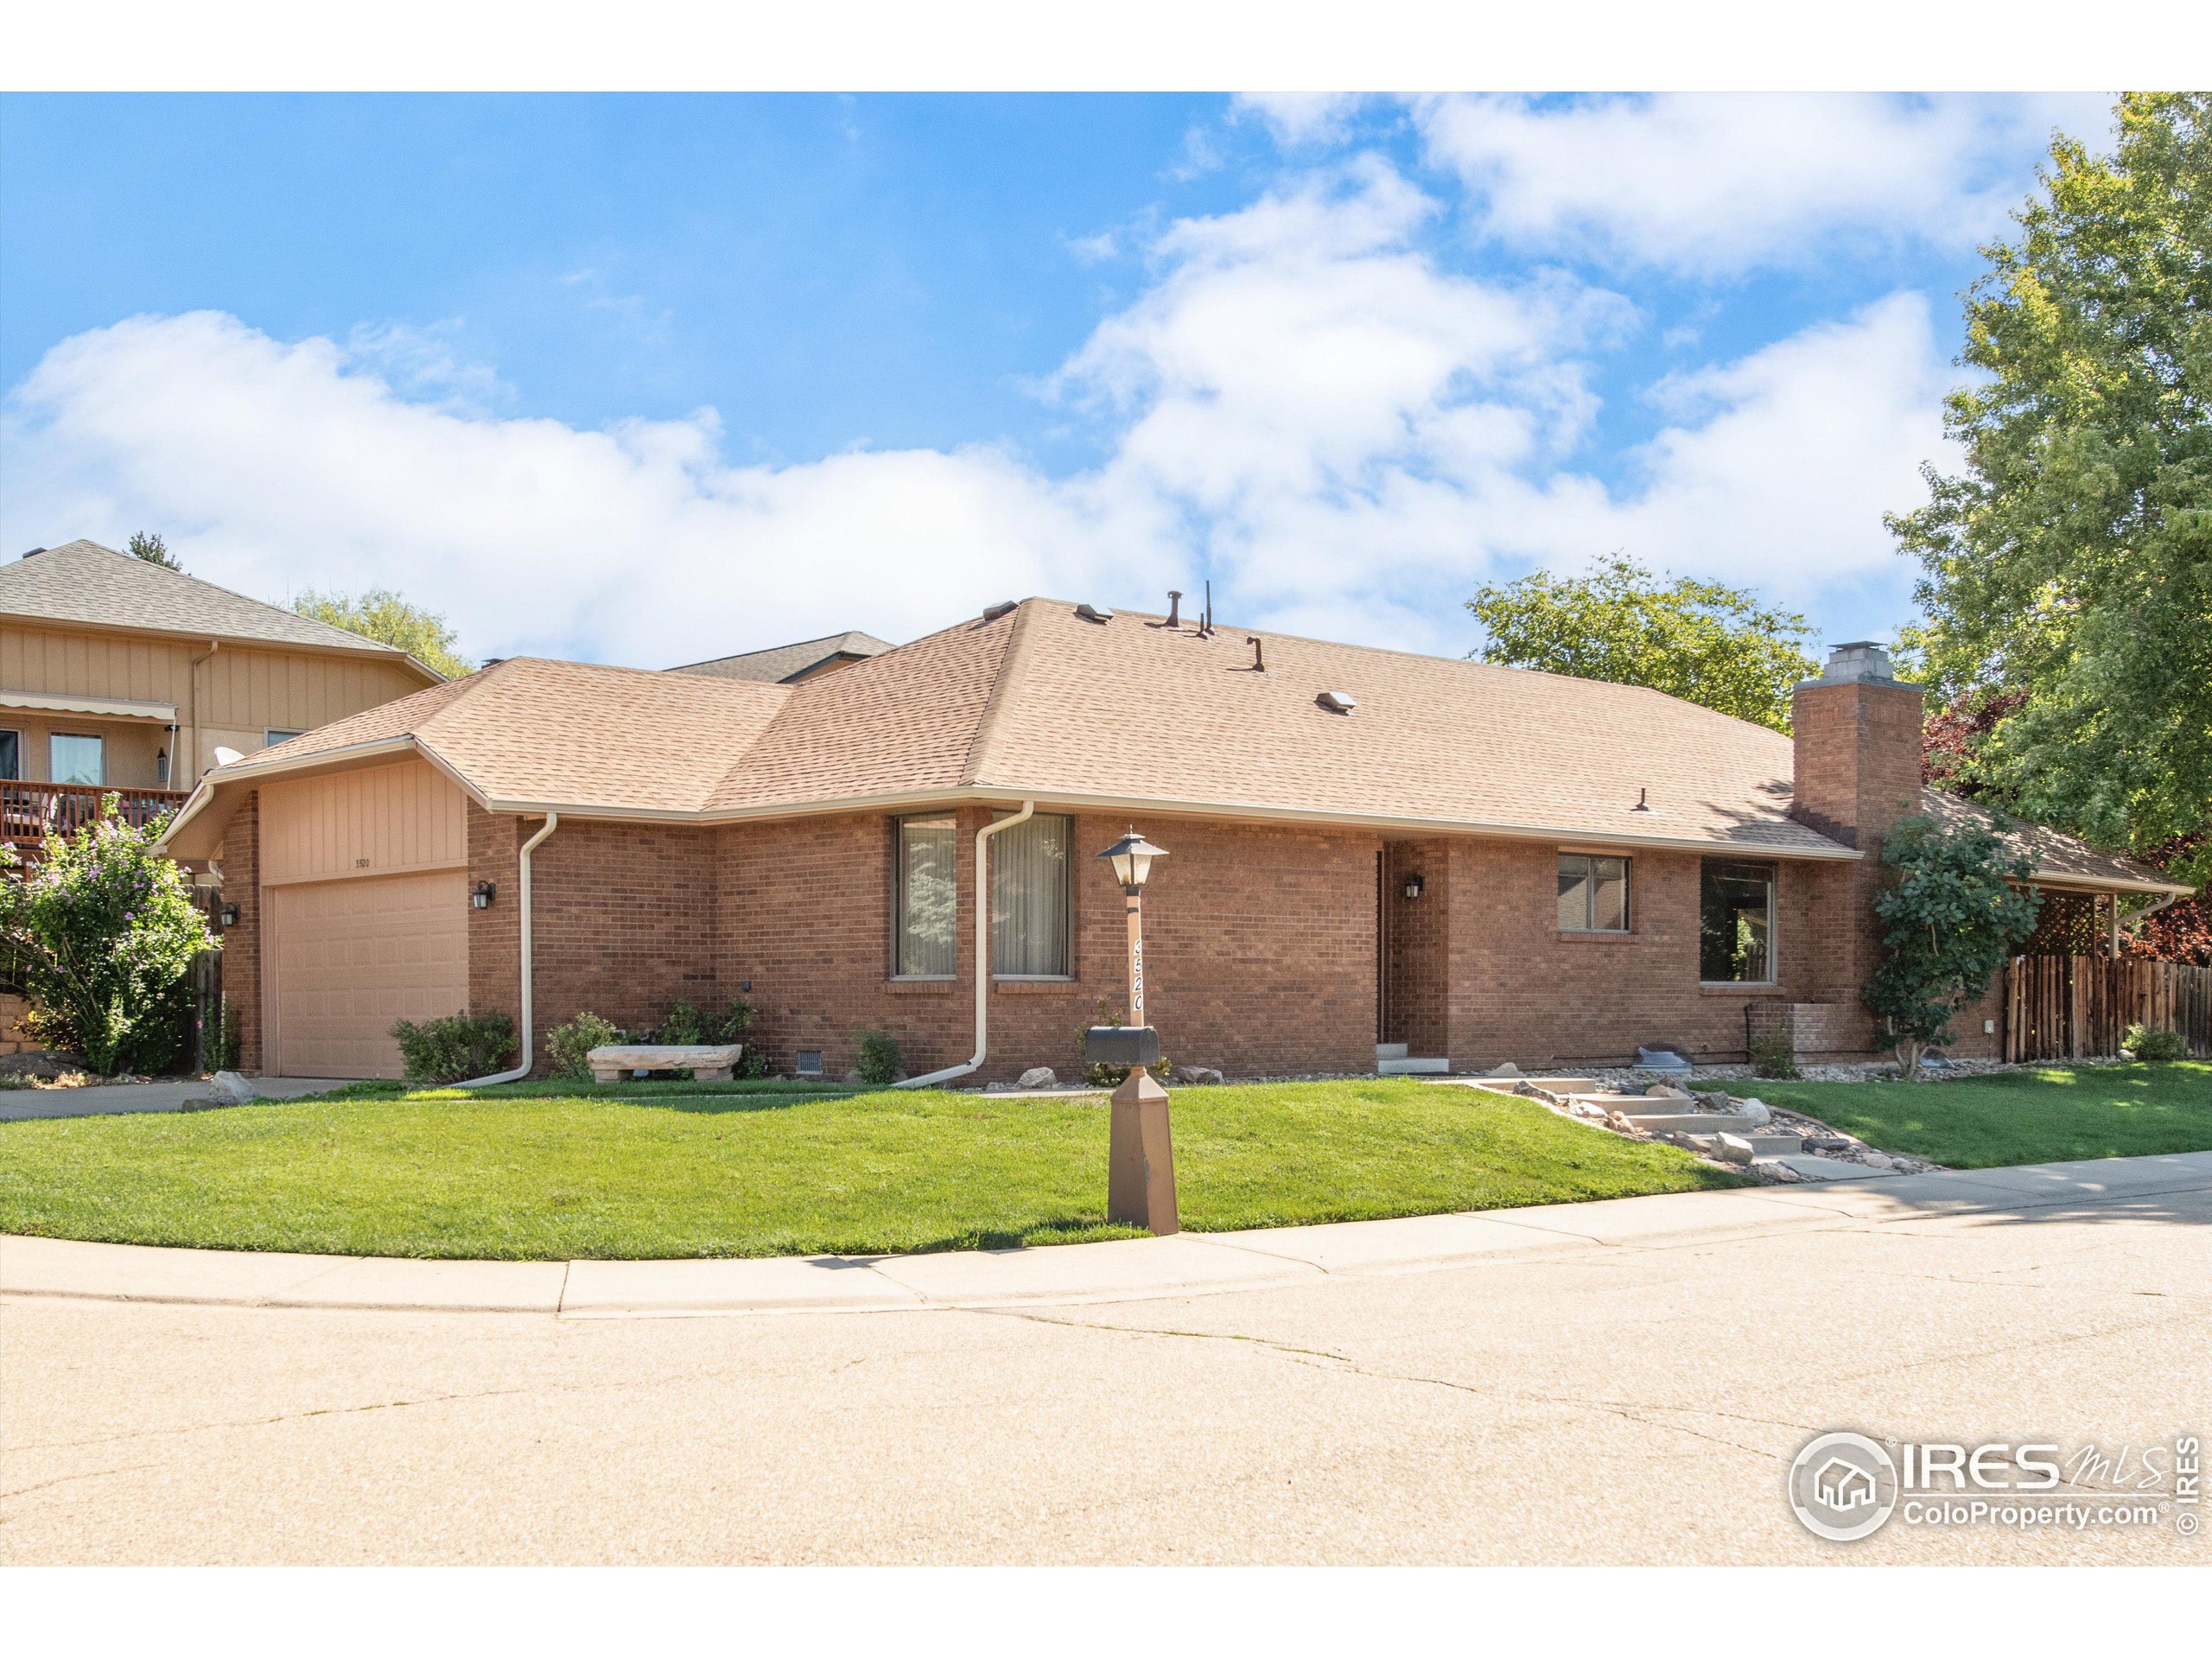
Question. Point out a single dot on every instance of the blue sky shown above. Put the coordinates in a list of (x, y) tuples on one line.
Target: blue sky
[(644, 379)]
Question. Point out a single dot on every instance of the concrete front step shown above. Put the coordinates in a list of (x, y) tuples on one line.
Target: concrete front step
[(1684, 1122), (1762, 1144), (1401, 1066), (1812, 1167), (1390, 1050)]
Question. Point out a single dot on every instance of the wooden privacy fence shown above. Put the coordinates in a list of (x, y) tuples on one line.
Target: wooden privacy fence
[(2075, 1007)]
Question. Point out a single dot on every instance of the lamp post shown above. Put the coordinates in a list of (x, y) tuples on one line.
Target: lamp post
[(1140, 1168)]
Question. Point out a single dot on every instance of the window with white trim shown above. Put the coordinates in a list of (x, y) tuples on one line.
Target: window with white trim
[(1030, 868), (926, 876), (1593, 893)]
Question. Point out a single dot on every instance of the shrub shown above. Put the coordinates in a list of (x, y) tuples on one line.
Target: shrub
[(1957, 906), (459, 1046), (881, 1064), (1112, 1077), (688, 1024), (229, 1039), (569, 1046), (1773, 1056), (2148, 1045), (101, 935)]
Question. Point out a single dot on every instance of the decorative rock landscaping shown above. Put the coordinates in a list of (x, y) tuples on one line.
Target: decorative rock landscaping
[(1743, 1134)]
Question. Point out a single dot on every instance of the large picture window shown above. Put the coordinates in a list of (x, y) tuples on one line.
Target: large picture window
[(928, 884), (1029, 899), (1593, 893), (76, 759), (1735, 924)]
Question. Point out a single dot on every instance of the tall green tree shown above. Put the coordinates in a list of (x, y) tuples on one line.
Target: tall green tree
[(383, 615), (2068, 569), (151, 548), (1698, 640), (1957, 907)]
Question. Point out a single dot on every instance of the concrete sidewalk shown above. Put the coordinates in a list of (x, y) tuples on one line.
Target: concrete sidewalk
[(1124, 1270), (103, 1099)]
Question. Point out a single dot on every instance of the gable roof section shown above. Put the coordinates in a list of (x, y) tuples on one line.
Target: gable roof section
[(781, 665), (85, 584), (1039, 702)]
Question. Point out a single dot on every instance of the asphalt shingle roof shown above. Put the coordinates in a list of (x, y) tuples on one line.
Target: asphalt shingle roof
[(84, 582), (781, 663), (1040, 700)]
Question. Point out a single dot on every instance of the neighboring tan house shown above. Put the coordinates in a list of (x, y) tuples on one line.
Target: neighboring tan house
[(1364, 848), (120, 675)]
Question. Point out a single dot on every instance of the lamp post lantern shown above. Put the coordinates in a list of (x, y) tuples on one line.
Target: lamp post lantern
[(1140, 1171)]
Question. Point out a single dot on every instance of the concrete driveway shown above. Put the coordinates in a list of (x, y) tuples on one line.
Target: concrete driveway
[(165, 1095), (1626, 1402)]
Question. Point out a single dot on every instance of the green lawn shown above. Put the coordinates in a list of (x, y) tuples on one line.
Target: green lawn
[(733, 1172), (2016, 1118)]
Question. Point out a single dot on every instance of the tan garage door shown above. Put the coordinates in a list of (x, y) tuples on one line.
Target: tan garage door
[(349, 957)]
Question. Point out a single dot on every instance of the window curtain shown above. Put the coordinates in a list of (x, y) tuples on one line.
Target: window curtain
[(929, 851), (1029, 897)]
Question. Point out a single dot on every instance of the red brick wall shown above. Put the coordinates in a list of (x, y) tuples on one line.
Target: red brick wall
[(1523, 990), (241, 864), (1260, 945), (1418, 937), (622, 919)]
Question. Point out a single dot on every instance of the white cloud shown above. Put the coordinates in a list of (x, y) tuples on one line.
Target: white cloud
[(1778, 467), (1303, 404), (1718, 183), (1300, 118)]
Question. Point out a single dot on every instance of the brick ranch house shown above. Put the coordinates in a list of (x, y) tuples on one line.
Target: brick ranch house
[(1365, 847)]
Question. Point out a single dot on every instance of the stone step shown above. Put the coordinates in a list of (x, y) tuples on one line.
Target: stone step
[(1763, 1145), (1401, 1066), (1812, 1167), (1690, 1122), (1390, 1050)]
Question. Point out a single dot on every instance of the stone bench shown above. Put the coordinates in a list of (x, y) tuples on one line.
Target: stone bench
[(706, 1062)]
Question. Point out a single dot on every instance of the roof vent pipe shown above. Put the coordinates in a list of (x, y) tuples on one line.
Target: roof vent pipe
[(1174, 608), (983, 958), (1259, 654)]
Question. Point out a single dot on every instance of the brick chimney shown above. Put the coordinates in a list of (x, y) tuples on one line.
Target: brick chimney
[(1856, 731), (1856, 734)]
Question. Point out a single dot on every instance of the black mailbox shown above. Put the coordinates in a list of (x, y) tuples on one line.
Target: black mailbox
[(1120, 1045)]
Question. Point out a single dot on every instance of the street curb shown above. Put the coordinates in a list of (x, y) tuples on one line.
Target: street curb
[(1187, 1264)]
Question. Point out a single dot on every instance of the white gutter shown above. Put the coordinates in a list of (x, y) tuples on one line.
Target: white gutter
[(983, 950), (529, 1046)]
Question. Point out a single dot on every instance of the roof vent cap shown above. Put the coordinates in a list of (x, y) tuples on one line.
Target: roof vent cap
[(34, 552), (992, 613), (1338, 702), (1094, 613)]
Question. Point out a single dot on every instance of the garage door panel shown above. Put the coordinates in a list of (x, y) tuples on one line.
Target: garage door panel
[(352, 957)]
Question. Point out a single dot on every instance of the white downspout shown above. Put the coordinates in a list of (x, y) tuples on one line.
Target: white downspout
[(983, 950), (528, 1057)]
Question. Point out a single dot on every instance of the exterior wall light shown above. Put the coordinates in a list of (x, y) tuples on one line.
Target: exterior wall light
[(1415, 886), (481, 895), (228, 915)]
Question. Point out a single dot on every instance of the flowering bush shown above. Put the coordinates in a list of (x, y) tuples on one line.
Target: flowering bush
[(100, 934)]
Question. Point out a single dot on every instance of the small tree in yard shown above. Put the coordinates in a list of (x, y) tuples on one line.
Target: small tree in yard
[(1948, 923), (99, 933)]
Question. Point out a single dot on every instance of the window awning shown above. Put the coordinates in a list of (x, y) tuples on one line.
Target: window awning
[(105, 708)]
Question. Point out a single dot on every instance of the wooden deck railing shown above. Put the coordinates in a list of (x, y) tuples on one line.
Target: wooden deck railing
[(29, 812)]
